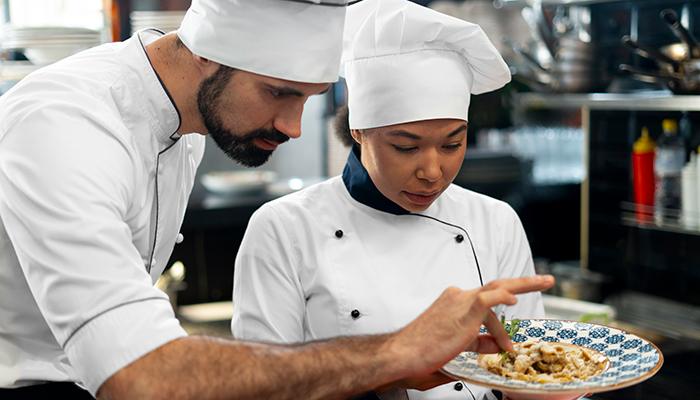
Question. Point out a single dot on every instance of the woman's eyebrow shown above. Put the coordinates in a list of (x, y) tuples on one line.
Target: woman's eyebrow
[(458, 130), (409, 135), (406, 134)]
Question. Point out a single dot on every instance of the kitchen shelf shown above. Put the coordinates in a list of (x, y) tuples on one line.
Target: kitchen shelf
[(651, 100), (610, 123), (562, 2), (630, 218)]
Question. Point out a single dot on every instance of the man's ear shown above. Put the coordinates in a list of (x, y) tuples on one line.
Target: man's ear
[(205, 65)]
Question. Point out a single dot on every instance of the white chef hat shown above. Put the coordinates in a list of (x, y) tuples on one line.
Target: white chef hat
[(287, 39), (404, 62)]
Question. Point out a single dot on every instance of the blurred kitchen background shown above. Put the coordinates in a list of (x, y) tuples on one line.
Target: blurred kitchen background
[(556, 143)]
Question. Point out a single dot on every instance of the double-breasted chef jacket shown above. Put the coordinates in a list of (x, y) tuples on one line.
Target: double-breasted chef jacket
[(94, 183), (338, 258)]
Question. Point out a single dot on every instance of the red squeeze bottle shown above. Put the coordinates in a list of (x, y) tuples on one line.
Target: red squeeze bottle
[(643, 176)]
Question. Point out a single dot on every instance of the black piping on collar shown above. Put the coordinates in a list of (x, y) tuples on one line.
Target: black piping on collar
[(174, 136), (362, 189)]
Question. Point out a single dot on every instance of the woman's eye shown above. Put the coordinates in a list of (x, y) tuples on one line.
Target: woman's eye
[(404, 149), (275, 93), (453, 146)]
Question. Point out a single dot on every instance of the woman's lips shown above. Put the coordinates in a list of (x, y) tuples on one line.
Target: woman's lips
[(422, 198), (266, 144)]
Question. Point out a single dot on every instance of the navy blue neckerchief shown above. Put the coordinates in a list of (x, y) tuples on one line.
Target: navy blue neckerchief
[(362, 188)]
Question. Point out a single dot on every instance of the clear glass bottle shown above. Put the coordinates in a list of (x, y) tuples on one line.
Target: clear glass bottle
[(668, 164)]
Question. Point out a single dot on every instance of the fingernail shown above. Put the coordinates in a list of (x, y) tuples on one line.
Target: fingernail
[(538, 278)]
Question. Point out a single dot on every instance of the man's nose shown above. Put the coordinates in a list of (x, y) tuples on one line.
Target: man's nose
[(289, 122)]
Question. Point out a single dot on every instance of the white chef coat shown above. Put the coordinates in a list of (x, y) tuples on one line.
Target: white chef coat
[(318, 263), (94, 184)]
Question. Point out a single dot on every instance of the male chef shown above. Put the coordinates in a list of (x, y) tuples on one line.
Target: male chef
[(98, 154)]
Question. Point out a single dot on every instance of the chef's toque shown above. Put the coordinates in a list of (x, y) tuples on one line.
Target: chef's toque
[(286, 39), (404, 62)]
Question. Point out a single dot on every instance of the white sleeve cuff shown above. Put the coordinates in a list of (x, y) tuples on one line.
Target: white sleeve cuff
[(118, 337)]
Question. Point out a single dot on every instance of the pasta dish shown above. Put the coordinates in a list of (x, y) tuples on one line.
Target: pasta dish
[(546, 362)]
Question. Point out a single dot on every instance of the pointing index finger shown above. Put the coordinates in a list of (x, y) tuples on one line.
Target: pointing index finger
[(522, 285)]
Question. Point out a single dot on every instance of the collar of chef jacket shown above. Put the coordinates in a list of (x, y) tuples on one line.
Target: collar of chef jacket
[(362, 189)]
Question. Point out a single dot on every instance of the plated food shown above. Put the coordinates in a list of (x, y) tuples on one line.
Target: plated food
[(631, 359), (546, 362)]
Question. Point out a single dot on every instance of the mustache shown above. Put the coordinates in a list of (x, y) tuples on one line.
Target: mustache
[(272, 135)]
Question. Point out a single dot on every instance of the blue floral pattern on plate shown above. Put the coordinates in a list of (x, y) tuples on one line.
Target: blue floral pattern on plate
[(632, 358)]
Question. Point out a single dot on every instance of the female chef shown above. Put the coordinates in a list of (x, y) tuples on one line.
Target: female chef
[(368, 251)]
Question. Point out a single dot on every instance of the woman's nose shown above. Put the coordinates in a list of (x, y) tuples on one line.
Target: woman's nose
[(430, 168)]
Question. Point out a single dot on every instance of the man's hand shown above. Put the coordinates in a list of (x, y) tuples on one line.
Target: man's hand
[(451, 325), (217, 369)]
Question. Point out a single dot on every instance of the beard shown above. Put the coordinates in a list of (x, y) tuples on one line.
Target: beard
[(240, 148)]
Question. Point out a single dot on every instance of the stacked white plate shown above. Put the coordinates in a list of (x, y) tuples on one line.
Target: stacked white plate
[(44, 45), (166, 21)]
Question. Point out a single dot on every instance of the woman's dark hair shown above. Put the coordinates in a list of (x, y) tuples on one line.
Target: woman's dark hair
[(342, 127)]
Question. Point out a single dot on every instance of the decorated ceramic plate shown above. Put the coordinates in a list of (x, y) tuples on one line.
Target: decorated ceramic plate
[(631, 358)]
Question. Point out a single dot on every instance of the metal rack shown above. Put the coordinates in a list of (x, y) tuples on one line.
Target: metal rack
[(641, 216)]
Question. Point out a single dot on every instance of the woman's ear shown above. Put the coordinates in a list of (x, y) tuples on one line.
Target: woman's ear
[(357, 135)]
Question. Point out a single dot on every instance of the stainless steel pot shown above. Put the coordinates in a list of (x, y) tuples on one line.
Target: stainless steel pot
[(678, 63), (571, 63), (671, 18)]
